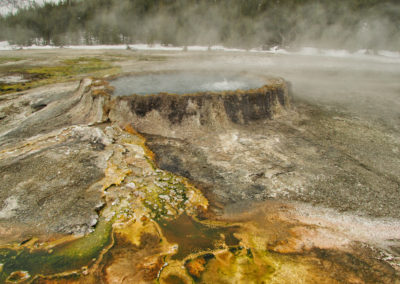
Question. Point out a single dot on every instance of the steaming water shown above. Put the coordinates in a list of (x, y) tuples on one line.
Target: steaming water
[(183, 82)]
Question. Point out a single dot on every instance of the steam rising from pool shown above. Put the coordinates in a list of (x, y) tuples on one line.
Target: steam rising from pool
[(224, 85), (183, 83)]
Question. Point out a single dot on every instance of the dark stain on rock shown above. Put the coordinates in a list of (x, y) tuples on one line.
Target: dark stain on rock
[(97, 145), (249, 107), (342, 264), (38, 106)]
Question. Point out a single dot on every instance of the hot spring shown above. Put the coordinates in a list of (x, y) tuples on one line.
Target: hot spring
[(184, 83)]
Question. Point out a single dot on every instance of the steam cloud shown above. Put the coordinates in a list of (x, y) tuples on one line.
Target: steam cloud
[(348, 24)]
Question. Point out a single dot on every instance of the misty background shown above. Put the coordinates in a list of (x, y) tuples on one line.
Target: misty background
[(347, 24)]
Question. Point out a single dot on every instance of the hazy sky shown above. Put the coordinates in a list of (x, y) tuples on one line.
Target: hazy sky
[(7, 6)]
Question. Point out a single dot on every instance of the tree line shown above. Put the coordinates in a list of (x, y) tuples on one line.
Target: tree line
[(348, 24)]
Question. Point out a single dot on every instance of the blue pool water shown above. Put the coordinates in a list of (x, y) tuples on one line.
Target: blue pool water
[(183, 83)]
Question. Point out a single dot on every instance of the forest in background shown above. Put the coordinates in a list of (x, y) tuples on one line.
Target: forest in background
[(349, 24)]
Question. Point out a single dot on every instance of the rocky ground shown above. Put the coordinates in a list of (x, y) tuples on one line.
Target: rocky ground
[(315, 157), (96, 188)]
